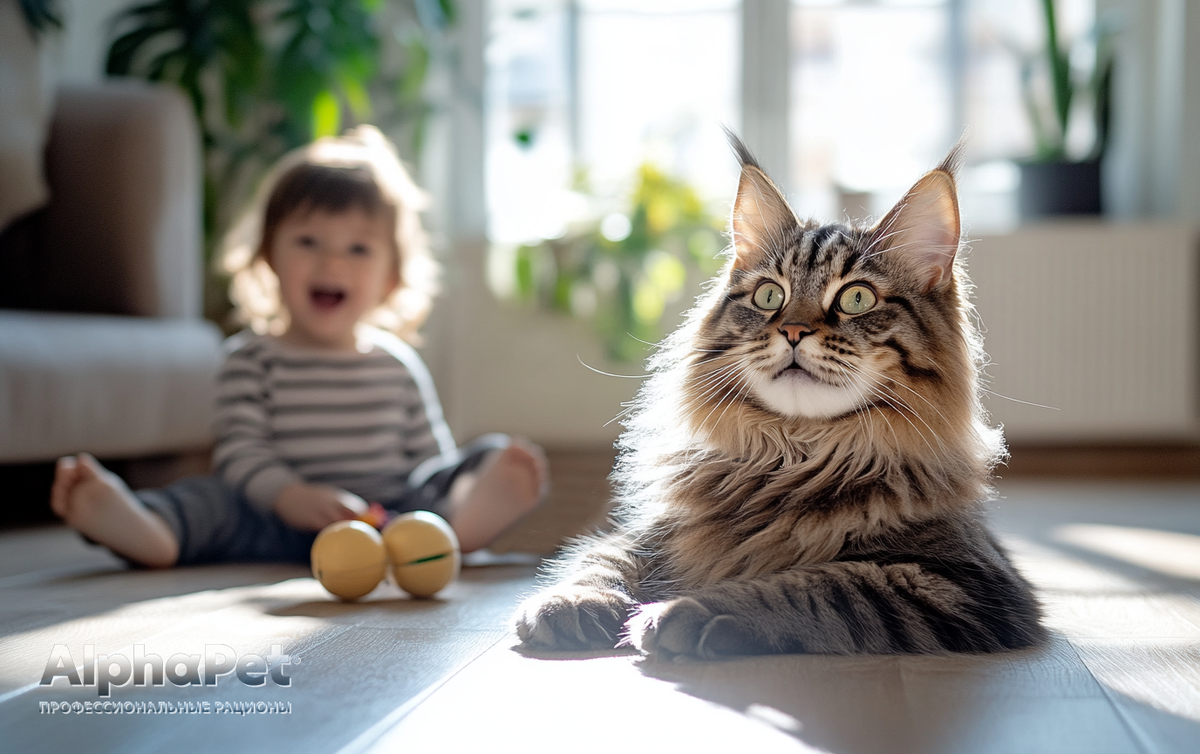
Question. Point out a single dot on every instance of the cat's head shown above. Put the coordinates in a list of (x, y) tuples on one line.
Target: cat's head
[(816, 322)]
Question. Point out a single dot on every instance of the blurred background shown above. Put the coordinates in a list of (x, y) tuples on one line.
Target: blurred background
[(581, 182)]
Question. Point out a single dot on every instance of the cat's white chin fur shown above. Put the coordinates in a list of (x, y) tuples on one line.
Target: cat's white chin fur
[(801, 397)]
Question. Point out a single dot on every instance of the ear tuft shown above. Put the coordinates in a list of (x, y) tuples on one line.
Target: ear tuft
[(761, 215), (924, 227)]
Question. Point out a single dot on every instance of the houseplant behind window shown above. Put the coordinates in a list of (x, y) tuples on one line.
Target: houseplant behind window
[(1052, 183)]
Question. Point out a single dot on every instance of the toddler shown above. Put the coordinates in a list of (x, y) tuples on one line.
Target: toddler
[(321, 406)]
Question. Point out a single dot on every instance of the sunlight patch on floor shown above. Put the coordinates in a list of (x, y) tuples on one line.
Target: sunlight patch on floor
[(1168, 552), (235, 616), (1163, 674)]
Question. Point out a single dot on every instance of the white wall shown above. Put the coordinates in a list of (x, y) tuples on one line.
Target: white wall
[(1093, 330), (503, 369)]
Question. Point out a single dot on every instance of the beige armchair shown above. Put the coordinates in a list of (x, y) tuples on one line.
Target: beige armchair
[(102, 344)]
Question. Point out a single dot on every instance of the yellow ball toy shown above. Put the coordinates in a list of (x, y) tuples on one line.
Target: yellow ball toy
[(349, 559), (422, 551)]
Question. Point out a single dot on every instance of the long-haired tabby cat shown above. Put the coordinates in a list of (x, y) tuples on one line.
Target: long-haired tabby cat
[(804, 469)]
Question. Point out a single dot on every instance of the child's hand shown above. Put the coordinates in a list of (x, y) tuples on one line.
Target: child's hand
[(312, 507)]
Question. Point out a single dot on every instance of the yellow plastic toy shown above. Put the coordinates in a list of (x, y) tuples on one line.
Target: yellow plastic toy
[(423, 553), (349, 559), (417, 551)]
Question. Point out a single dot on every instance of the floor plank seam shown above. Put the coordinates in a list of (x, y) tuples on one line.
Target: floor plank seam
[(1135, 733)]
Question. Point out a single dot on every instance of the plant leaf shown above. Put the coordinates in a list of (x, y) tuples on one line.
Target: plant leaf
[(326, 115)]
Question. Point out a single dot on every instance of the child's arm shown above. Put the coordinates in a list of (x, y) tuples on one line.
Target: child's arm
[(315, 506), (246, 459)]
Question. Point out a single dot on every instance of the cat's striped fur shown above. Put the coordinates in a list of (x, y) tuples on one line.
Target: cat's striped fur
[(804, 476)]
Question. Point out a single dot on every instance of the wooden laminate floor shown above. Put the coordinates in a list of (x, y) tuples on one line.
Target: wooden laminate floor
[(1118, 565)]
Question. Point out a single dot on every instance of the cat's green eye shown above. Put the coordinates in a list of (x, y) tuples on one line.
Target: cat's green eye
[(769, 296), (856, 299)]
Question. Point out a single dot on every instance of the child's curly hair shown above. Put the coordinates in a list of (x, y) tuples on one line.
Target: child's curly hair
[(357, 170)]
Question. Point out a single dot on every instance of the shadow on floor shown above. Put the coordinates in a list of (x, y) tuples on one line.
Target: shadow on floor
[(339, 611)]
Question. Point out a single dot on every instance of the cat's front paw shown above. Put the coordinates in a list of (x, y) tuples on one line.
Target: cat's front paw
[(573, 618), (685, 628)]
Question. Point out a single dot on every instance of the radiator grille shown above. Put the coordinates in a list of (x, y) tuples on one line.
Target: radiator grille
[(1100, 322)]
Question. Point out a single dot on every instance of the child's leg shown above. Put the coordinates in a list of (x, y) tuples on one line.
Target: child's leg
[(483, 488), (100, 506), (215, 524), (193, 521), (506, 486)]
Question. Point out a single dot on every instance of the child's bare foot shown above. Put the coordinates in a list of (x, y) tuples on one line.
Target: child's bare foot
[(509, 485), (97, 503)]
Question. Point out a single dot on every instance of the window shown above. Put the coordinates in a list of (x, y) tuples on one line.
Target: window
[(882, 88), (580, 93)]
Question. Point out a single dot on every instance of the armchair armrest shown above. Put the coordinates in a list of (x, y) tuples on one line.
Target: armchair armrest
[(121, 234)]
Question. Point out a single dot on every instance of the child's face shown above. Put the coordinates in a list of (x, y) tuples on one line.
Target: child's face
[(333, 269)]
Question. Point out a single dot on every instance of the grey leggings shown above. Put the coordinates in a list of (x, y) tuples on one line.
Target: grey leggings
[(215, 524)]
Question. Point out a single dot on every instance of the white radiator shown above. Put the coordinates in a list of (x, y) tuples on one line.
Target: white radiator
[(1098, 322)]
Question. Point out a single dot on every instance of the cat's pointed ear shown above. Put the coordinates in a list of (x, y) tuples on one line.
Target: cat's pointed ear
[(761, 215), (924, 227)]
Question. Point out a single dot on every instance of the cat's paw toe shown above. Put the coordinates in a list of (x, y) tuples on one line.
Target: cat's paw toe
[(668, 629), (572, 618), (684, 628)]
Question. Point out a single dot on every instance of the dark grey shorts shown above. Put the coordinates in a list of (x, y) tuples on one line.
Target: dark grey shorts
[(215, 524)]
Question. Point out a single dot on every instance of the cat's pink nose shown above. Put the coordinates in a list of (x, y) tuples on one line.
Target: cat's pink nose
[(794, 331)]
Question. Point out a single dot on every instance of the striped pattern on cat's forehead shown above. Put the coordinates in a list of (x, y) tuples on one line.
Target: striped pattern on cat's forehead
[(810, 259)]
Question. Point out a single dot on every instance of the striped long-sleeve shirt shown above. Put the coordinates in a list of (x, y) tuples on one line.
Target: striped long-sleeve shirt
[(358, 421)]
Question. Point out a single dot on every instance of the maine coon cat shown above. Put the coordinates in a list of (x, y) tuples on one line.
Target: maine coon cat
[(804, 469)]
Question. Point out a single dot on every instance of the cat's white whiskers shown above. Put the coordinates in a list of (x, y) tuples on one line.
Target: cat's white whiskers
[(716, 376), (878, 379), (724, 387), (629, 406), (1018, 400), (720, 388), (887, 395), (862, 413), (740, 396), (610, 374), (933, 407), (866, 407), (713, 383), (916, 429), (881, 388)]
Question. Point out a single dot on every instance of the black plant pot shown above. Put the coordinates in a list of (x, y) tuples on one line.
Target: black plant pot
[(1059, 188)]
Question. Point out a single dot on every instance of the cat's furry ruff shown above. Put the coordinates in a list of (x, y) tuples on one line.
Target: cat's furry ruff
[(802, 479)]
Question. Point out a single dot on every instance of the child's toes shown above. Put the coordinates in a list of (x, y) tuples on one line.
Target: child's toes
[(532, 461), (89, 468), (66, 474)]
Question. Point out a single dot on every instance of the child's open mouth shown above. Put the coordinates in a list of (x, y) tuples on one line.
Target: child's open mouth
[(326, 298)]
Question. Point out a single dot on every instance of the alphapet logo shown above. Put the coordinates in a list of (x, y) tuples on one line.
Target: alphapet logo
[(217, 661)]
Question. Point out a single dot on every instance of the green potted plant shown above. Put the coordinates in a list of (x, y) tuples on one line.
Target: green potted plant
[(623, 271), (1052, 182)]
